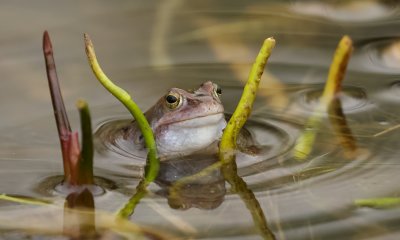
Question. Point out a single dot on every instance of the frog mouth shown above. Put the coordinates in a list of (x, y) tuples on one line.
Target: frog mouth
[(190, 135), (199, 120)]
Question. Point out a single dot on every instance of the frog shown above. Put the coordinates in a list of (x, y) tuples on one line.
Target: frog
[(183, 122)]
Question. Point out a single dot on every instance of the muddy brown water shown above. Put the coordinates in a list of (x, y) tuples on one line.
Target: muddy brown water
[(149, 46)]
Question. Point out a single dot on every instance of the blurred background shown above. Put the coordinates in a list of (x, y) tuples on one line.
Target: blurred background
[(147, 47)]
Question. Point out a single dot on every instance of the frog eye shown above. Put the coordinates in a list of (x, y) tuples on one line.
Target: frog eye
[(173, 100)]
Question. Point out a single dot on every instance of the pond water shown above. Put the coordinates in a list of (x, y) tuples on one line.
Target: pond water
[(148, 47)]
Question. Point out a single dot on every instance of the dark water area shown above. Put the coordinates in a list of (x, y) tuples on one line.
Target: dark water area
[(147, 47)]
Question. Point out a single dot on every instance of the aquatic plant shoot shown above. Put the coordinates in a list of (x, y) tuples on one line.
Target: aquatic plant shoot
[(153, 165), (333, 86), (78, 166), (227, 146)]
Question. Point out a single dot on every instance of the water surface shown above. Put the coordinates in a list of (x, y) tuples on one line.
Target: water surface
[(148, 47)]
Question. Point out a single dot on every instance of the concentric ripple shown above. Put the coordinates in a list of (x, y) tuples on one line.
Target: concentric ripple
[(384, 53), (394, 90), (55, 185), (347, 11), (352, 98), (109, 139), (275, 138), (271, 139), (271, 171), (390, 93)]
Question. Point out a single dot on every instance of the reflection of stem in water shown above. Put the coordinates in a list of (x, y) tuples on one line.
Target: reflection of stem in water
[(79, 217), (305, 142), (239, 186), (129, 208), (199, 189), (378, 202), (340, 127), (333, 86), (175, 188)]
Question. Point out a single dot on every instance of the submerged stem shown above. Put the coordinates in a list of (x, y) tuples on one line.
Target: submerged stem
[(130, 206)]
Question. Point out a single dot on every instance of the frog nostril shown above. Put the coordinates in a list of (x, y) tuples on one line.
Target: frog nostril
[(219, 90)]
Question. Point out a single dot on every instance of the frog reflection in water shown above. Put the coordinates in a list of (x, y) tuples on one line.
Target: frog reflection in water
[(184, 122)]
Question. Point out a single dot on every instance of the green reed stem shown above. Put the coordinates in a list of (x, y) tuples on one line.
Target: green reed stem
[(85, 175), (65, 135), (242, 112), (227, 145), (129, 208), (239, 117), (153, 164)]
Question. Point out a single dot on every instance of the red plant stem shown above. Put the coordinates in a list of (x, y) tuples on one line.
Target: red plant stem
[(68, 140)]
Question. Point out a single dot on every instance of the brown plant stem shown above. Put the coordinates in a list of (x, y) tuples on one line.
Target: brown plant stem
[(68, 140)]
